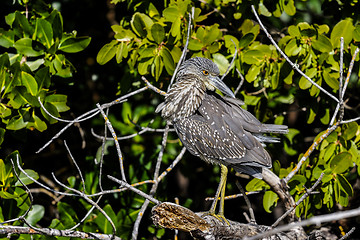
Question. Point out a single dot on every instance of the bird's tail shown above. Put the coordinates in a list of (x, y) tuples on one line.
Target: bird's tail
[(274, 128)]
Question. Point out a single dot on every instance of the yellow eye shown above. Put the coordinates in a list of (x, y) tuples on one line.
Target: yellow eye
[(205, 72)]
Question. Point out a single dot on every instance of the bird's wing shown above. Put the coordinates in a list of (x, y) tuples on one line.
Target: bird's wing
[(213, 140), (249, 122)]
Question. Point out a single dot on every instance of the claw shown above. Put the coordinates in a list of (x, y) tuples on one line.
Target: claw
[(219, 217)]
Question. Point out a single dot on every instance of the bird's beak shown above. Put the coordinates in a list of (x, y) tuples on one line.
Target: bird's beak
[(217, 83)]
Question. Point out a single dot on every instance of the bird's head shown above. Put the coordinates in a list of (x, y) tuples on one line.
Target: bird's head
[(205, 70)]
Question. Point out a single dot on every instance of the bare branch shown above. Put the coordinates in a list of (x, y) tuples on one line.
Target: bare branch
[(241, 81), (303, 197), (77, 167), (293, 65), (317, 220), (112, 131), (251, 211), (85, 197), (183, 54), (135, 190), (348, 234), (155, 89), (9, 230), (91, 114), (154, 186), (310, 150), (231, 63)]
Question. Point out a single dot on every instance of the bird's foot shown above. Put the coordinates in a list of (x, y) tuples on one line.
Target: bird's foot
[(218, 216)]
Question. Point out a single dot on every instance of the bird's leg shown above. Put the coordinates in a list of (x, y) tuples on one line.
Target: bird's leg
[(223, 179), (220, 192)]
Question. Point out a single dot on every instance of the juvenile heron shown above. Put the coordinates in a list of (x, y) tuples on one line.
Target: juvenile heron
[(216, 128)]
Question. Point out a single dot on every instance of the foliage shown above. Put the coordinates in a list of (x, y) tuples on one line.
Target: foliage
[(36, 44), (148, 41)]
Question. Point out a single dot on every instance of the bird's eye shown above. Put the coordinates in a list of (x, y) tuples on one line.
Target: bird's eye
[(205, 72)]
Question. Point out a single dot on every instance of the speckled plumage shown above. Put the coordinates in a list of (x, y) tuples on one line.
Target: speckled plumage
[(213, 127)]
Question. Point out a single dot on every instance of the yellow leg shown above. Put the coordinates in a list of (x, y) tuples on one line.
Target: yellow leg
[(220, 192)]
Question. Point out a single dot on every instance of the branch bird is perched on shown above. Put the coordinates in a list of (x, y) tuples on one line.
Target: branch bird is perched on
[(216, 128)]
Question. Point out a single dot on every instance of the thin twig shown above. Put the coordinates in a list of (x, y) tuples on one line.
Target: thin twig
[(155, 89), (27, 191), (85, 197), (77, 167), (154, 186), (317, 220), (143, 130), (91, 114), (234, 196), (172, 165), (9, 230), (112, 131), (348, 234), (231, 63), (310, 150), (240, 83), (42, 185), (294, 66), (183, 54), (135, 190), (303, 197), (251, 211)]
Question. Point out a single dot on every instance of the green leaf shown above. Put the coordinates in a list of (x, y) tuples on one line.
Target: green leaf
[(59, 101), (322, 44), (24, 179), (246, 40), (52, 110), (171, 14), (30, 83), (2, 134), (67, 214), (22, 199), (292, 48), (294, 31), (6, 38), (39, 124), (44, 32), (330, 80), (42, 77), (343, 29), (158, 33), (107, 52), (22, 22), (103, 223), (289, 8), (121, 50), (345, 185), (195, 45), (221, 61), (26, 47), (304, 83), (16, 123), (144, 65), (140, 24), (168, 60), (341, 162), (252, 74), (256, 185), (350, 130), (73, 45), (35, 214), (270, 200), (57, 25), (157, 67)]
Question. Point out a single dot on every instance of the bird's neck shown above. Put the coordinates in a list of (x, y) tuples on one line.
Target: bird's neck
[(184, 98)]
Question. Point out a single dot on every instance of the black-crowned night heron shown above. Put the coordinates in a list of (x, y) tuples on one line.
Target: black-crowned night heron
[(216, 128)]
